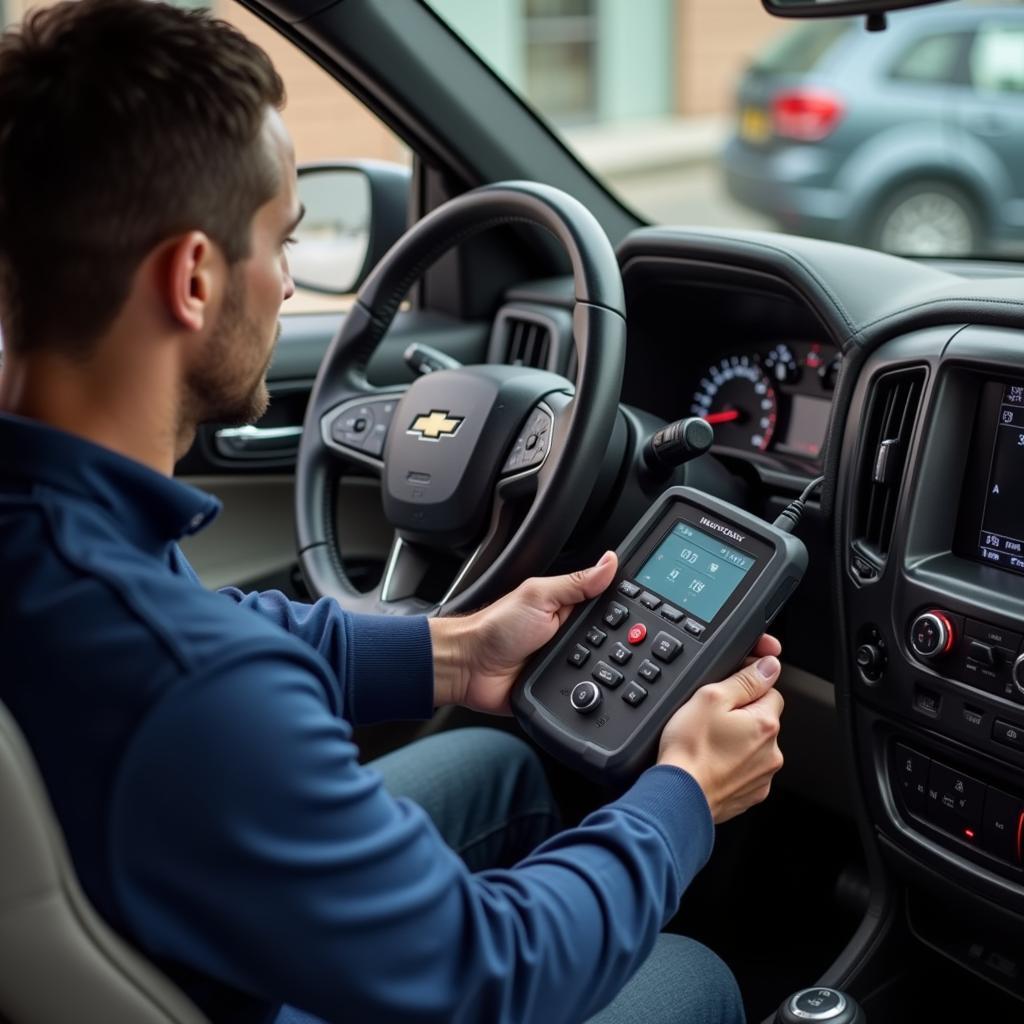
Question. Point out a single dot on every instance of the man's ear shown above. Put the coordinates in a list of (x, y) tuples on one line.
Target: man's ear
[(192, 276)]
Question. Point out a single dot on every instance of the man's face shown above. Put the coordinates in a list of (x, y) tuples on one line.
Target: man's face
[(229, 383)]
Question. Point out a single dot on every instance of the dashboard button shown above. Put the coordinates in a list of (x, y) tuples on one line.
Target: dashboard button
[(994, 635), (982, 653), (953, 800), (694, 628), (666, 648), (1010, 735), (649, 600), (596, 637), (608, 676), (616, 614), (1001, 825), (578, 655), (909, 773), (629, 589)]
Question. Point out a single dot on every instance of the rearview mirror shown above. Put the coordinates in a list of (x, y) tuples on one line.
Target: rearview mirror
[(837, 8), (355, 212)]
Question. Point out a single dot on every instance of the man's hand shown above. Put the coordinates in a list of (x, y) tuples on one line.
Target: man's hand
[(478, 657), (726, 734)]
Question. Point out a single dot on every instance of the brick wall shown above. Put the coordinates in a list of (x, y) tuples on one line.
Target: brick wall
[(715, 39)]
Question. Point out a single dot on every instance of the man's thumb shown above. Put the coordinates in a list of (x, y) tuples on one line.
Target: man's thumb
[(584, 583), (752, 682)]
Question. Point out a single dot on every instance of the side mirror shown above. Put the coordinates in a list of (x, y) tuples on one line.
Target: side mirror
[(355, 212)]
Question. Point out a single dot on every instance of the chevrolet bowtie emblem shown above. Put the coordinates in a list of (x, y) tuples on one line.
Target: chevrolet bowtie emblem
[(435, 426)]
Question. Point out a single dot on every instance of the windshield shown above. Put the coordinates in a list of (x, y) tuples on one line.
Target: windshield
[(711, 112)]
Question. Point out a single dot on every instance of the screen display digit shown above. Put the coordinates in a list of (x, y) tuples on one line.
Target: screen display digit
[(695, 571), (1002, 523)]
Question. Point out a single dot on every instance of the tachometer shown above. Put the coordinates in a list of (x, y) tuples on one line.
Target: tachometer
[(737, 399)]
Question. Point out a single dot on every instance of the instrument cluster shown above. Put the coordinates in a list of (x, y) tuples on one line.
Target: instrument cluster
[(776, 399)]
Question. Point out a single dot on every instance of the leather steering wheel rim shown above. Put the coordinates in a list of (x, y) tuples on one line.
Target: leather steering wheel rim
[(599, 334)]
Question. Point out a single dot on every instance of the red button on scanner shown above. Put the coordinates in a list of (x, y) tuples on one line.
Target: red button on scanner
[(637, 634)]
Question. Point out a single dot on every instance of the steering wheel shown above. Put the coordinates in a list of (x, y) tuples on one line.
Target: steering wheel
[(460, 452)]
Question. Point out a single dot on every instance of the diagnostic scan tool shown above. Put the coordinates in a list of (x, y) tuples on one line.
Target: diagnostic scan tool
[(699, 581)]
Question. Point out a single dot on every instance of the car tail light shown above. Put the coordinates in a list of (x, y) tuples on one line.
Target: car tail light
[(807, 115)]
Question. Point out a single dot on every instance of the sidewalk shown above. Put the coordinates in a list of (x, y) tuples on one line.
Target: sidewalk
[(626, 148)]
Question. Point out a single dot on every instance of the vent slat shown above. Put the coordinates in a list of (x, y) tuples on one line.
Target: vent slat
[(529, 343), (889, 428)]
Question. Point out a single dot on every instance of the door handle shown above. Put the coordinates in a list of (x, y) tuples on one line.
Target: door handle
[(251, 442)]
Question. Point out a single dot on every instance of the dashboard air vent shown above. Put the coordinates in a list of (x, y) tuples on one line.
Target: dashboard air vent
[(888, 430), (527, 343)]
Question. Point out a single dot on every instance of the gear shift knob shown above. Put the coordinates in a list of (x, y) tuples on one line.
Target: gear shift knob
[(824, 1005)]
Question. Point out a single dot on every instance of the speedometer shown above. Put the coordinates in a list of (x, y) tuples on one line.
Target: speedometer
[(737, 399)]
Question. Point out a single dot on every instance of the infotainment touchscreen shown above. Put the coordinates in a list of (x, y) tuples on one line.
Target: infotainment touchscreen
[(1001, 538), (694, 570)]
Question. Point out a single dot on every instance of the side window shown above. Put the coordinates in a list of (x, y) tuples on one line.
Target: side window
[(997, 60), (934, 59), (324, 119)]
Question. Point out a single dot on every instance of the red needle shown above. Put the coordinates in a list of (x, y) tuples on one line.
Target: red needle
[(725, 416)]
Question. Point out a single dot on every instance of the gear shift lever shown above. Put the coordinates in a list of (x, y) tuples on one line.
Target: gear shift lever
[(824, 1005)]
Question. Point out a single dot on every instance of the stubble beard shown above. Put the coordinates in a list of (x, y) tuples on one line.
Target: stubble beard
[(221, 390)]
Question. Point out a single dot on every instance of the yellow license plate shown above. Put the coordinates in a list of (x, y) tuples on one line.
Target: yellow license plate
[(754, 125)]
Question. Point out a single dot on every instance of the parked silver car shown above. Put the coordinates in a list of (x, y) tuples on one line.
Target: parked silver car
[(911, 140)]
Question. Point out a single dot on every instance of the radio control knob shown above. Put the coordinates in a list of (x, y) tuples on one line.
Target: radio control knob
[(1018, 675), (932, 635), (585, 697)]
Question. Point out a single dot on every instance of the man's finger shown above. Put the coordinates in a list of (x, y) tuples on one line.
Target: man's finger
[(558, 591), (768, 644), (750, 683)]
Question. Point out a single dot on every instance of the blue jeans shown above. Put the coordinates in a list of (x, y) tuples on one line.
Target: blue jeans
[(486, 792)]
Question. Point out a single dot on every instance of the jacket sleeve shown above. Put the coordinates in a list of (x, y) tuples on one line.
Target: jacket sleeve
[(384, 664), (266, 856)]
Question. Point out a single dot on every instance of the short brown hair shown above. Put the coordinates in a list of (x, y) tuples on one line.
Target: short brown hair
[(122, 123)]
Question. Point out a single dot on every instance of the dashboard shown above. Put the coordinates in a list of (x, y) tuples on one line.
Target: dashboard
[(755, 364), (904, 384)]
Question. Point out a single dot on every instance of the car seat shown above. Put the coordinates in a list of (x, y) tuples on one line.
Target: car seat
[(59, 962)]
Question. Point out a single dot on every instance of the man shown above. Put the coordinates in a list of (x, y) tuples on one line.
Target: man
[(196, 745)]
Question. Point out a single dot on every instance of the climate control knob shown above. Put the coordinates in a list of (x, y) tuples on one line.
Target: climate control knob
[(932, 635), (1018, 675)]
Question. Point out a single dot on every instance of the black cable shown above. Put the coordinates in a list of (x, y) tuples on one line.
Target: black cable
[(789, 517)]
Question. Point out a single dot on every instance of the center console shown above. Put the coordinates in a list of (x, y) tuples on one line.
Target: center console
[(931, 541)]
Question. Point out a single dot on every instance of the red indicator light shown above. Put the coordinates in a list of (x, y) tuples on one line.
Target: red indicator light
[(969, 832)]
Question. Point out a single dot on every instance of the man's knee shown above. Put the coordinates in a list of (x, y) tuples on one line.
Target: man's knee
[(681, 982)]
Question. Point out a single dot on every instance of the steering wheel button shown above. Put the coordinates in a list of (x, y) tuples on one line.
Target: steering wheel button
[(595, 636), (694, 628), (666, 648), (670, 613), (578, 656), (637, 633), (629, 589), (620, 653), (616, 614), (634, 694), (649, 600), (648, 671), (606, 675), (531, 442)]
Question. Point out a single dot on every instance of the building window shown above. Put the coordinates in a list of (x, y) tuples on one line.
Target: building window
[(561, 58)]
